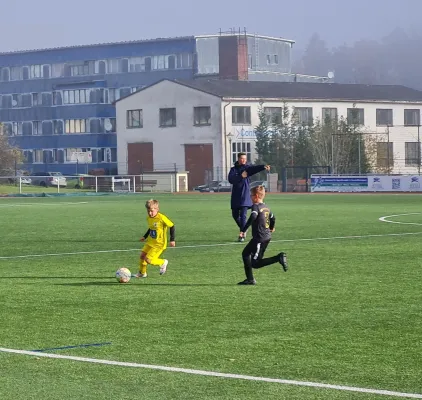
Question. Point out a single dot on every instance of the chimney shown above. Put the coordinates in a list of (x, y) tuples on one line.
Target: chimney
[(233, 57)]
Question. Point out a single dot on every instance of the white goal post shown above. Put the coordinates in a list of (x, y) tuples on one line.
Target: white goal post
[(120, 185)]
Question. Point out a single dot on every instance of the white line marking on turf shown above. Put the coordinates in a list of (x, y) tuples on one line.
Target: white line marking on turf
[(43, 204), (214, 245), (384, 219), (216, 374)]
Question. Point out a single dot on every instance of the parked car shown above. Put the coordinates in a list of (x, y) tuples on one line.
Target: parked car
[(49, 179), (14, 175), (259, 183), (205, 185), (217, 186)]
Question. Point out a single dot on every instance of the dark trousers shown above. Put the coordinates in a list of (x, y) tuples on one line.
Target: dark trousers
[(253, 257), (240, 216)]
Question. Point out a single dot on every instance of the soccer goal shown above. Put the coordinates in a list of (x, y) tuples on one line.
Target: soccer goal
[(120, 185)]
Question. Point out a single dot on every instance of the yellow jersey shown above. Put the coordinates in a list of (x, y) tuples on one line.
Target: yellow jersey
[(157, 227)]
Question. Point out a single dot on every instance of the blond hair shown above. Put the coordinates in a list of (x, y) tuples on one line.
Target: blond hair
[(258, 191), (151, 203)]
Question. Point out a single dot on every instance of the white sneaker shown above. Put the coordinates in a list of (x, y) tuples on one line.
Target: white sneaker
[(139, 275), (163, 268)]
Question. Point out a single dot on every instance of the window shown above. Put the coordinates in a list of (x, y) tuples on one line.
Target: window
[(58, 127), (5, 74), (47, 99), (35, 71), (412, 117), (77, 126), (15, 100), (100, 67), (84, 68), (57, 70), (57, 98), (275, 59), (27, 128), (268, 59), (16, 128), (136, 64), (241, 115), (250, 64), (47, 127), (329, 115), (356, 116), (80, 96), (384, 117), (274, 114), (385, 156), (36, 99), (113, 95), (134, 119), (412, 154), (167, 117), (241, 147), (46, 71), (171, 62), (148, 63), (125, 91), (36, 127), (201, 116), (304, 115), (37, 156), (114, 66), (15, 73)]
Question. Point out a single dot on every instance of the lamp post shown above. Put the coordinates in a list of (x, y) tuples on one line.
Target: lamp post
[(229, 137)]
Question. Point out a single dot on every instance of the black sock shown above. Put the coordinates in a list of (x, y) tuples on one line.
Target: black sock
[(266, 261), (248, 268)]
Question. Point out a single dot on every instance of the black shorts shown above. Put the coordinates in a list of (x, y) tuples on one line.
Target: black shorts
[(255, 249)]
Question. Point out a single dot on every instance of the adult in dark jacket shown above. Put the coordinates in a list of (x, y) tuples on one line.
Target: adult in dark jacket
[(239, 177)]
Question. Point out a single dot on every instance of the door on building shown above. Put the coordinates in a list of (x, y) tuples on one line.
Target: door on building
[(140, 158), (199, 163)]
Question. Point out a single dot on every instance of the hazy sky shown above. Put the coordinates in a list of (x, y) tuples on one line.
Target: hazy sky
[(28, 24)]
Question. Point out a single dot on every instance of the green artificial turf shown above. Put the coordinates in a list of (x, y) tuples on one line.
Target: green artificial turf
[(348, 311)]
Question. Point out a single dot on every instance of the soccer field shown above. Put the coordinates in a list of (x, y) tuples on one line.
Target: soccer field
[(345, 322)]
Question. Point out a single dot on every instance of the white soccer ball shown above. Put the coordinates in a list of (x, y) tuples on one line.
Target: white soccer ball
[(123, 275)]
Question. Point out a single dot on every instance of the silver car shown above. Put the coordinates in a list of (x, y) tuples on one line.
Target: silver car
[(49, 179)]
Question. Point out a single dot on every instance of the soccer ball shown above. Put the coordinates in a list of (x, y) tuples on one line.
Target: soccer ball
[(123, 275)]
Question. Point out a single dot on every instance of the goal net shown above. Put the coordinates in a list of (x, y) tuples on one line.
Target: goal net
[(120, 185)]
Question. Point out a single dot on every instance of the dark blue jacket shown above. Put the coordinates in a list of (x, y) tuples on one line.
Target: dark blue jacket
[(241, 195)]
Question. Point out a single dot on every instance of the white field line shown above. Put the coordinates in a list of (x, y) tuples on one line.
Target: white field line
[(215, 245), (215, 374), (43, 204), (386, 219)]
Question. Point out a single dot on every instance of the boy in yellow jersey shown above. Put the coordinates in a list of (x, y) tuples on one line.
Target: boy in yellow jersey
[(156, 239)]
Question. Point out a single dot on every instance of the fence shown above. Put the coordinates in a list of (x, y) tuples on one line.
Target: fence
[(169, 182), (393, 150)]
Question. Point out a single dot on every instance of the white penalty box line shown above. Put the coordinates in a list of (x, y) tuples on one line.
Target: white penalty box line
[(215, 245), (215, 374)]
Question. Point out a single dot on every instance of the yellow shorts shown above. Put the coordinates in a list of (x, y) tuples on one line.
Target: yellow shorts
[(152, 253)]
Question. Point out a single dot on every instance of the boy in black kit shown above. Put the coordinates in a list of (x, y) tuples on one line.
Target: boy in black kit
[(263, 223)]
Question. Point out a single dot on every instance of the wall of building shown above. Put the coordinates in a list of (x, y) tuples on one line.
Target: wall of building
[(269, 54), (168, 142), (38, 90), (244, 134)]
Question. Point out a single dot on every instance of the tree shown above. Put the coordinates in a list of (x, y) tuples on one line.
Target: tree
[(10, 155), (316, 59), (342, 144)]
